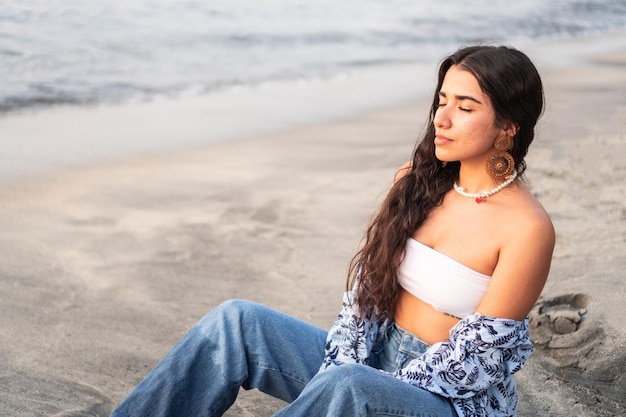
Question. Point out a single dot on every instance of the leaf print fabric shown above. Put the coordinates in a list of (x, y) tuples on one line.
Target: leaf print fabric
[(474, 367), (351, 338)]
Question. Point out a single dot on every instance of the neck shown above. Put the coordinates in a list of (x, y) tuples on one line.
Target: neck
[(475, 178), (482, 195)]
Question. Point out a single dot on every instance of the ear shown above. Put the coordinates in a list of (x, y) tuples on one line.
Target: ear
[(510, 129)]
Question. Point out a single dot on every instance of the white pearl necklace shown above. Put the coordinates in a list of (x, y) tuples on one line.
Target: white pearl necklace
[(480, 197)]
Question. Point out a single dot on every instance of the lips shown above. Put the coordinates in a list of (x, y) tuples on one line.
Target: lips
[(441, 140)]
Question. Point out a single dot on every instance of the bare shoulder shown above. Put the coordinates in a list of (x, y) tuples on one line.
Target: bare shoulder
[(402, 171), (531, 236), (529, 218)]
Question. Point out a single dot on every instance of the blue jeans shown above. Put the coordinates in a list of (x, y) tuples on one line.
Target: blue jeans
[(244, 344)]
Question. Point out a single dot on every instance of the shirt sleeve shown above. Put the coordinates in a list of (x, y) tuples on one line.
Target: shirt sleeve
[(481, 351), (351, 337)]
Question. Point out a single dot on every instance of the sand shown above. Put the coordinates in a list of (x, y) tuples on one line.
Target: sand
[(104, 267)]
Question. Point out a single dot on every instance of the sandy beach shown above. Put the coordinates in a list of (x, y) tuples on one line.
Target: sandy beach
[(104, 266)]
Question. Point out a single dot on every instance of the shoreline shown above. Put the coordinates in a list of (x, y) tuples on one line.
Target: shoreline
[(84, 136), (101, 135), (104, 267)]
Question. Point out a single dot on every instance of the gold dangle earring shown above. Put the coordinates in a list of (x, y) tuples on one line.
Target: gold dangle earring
[(500, 163)]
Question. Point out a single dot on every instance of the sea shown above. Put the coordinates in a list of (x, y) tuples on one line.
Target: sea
[(86, 52)]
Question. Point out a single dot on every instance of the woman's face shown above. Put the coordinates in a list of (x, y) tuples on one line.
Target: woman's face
[(465, 122)]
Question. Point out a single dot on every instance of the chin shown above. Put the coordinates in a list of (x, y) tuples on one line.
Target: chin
[(442, 158)]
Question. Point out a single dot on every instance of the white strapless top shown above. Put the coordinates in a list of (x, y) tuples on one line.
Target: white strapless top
[(446, 284)]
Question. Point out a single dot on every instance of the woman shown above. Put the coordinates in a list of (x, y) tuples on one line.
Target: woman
[(435, 319)]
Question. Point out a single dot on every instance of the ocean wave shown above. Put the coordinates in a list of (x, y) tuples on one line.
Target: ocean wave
[(59, 52)]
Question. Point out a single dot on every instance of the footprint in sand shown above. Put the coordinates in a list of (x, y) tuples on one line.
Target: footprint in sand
[(573, 349), (559, 322)]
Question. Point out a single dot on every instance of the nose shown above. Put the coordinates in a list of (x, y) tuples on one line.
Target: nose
[(441, 119)]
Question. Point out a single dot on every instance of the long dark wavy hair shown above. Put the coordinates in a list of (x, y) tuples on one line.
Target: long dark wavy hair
[(514, 87)]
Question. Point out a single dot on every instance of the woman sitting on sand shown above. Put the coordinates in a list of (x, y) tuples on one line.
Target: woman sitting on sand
[(435, 322)]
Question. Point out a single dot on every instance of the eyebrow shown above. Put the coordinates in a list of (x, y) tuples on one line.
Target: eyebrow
[(460, 98)]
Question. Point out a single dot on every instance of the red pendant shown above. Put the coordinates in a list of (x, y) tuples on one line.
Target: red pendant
[(480, 200)]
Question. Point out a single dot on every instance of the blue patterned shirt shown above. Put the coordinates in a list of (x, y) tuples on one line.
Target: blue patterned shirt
[(474, 367)]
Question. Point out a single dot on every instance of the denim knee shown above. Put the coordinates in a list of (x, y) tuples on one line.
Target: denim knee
[(231, 311), (236, 307)]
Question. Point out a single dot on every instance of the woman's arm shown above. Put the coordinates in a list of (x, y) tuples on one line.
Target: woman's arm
[(522, 268)]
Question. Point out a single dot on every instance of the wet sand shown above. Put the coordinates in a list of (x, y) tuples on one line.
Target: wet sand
[(103, 268)]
